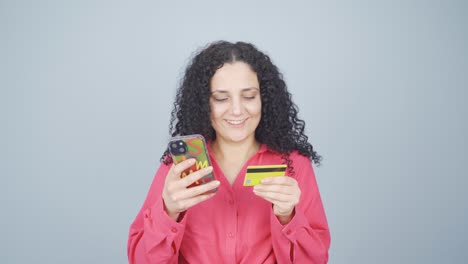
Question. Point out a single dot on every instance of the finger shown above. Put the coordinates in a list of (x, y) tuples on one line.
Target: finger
[(181, 167), (281, 205), (282, 180), (285, 189), (279, 197), (195, 191), (195, 176)]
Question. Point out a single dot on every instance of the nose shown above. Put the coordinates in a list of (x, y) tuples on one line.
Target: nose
[(236, 106)]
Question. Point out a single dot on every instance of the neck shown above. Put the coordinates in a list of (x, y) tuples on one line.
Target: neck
[(234, 151)]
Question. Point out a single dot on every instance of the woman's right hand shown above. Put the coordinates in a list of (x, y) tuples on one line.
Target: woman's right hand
[(177, 197)]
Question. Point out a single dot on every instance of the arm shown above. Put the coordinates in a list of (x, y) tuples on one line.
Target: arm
[(306, 238), (154, 237)]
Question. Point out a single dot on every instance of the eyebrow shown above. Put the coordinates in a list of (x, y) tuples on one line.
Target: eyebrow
[(243, 90)]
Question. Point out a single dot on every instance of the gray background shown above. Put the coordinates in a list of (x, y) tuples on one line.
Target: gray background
[(87, 88)]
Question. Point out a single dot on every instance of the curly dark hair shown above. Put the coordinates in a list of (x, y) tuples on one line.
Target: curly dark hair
[(279, 128)]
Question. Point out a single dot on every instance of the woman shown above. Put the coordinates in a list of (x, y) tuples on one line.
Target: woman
[(235, 97)]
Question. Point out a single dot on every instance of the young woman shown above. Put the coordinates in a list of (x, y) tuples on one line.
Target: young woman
[(235, 97)]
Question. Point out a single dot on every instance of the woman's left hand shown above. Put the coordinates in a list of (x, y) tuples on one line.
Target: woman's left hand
[(283, 193)]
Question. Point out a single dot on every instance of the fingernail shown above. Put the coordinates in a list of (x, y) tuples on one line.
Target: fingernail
[(192, 161)]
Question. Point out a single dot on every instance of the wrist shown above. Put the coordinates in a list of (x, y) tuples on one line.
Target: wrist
[(174, 216), (285, 218)]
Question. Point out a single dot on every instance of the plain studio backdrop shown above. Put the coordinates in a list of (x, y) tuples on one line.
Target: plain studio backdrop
[(87, 88)]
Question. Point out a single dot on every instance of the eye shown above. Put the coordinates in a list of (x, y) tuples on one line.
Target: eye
[(249, 97), (220, 99)]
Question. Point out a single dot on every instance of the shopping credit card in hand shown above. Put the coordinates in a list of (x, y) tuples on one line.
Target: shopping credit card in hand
[(256, 173)]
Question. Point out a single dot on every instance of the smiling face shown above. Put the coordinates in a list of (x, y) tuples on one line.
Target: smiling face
[(235, 103)]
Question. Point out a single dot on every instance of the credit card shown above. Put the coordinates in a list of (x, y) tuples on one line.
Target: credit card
[(256, 173)]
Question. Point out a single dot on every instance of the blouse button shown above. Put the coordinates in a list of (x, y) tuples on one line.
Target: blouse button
[(231, 235), (288, 232), (174, 230)]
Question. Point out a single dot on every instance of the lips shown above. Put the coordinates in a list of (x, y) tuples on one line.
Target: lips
[(235, 122)]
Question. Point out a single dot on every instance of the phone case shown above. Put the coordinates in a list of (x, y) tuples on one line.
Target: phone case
[(191, 146)]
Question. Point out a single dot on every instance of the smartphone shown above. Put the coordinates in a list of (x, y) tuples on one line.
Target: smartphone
[(192, 146)]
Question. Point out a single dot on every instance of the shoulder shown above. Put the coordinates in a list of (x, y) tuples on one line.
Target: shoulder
[(295, 156), (302, 164), (162, 170), (298, 160)]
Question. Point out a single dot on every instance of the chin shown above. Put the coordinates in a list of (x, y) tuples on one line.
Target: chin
[(238, 138)]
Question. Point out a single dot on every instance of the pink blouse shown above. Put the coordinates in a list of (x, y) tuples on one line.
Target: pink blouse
[(235, 225)]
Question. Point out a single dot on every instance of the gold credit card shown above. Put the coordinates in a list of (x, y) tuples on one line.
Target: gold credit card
[(256, 173)]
